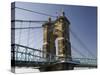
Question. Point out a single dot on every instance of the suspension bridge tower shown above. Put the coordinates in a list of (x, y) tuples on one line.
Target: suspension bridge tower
[(57, 43)]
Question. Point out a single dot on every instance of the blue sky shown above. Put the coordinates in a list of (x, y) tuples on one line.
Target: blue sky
[(83, 21)]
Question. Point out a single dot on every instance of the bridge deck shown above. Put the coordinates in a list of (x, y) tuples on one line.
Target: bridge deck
[(30, 58), (36, 64)]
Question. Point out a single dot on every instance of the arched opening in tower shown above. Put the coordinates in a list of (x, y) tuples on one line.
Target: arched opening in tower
[(56, 47)]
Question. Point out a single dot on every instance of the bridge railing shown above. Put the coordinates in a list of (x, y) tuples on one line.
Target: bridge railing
[(23, 53), (87, 61)]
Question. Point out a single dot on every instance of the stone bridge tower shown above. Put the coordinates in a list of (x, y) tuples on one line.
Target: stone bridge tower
[(57, 42)]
